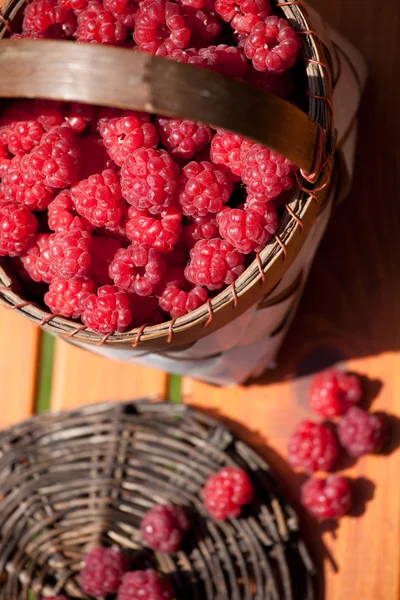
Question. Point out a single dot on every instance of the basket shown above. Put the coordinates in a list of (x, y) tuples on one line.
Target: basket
[(73, 480)]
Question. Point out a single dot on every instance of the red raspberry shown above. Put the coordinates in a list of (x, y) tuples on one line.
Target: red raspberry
[(99, 199), (63, 216), (204, 24), (102, 571), (17, 226), (79, 116), (203, 188), (127, 133), (178, 297), (103, 251), (332, 393), (228, 151), (327, 498), (20, 137), (159, 25), (179, 257), (226, 492), (95, 157), (97, 26), (247, 230), (243, 14), (66, 297), (272, 45), (19, 186), (190, 56), (70, 253), (49, 113), (76, 5), (149, 179), (4, 160), (108, 310), (164, 527), (145, 585), (123, 11), (45, 16), (194, 3), (214, 263), (183, 138), (36, 259), (361, 433), (266, 173), (137, 269), (160, 232), (281, 85), (31, 35), (226, 60), (202, 228), (313, 447)]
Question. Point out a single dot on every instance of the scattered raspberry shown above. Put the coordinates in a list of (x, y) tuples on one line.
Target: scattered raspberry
[(266, 173), (243, 14), (228, 151), (247, 230), (124, 11), (145, 585), (214, 263), (183, 138), (36, 259), (97, 26), (19, 186), (103, 251), (102, 571), (79, 117), (137, 269), (45, 16), (203, 188), (17, 226), (20, 137), (281, 85), (226, 60), (108, 310), (361, 433), (49, 113), (164, 527), (99, 199), (313, 447), (204, 24), (159, 25), (63, 216), (327, 498), (160, 232), (272, 45), (178, 297), (66, 297), (149, 179), (202, 228), (226, 492), (332, 393), (70, 253), (127, 133)]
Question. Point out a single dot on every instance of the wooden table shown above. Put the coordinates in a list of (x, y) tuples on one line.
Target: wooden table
[(350, 314)]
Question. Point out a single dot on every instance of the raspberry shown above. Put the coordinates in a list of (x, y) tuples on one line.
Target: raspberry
[(266, 173), (99, 199), (204, 24), (193, 3), (97, 26), (127, 133), (4, 160), (20, 137), (326, 498), (159, 25), (149, 179), (66, 297), (179, 257), (361, 433), (272, 45), (45, 16), (103, 251), (108, 310), (178, 297), (243, 14), (160, 232), (36, 259), (247, 230), (123, 11), (183, 138), (281, 85), (137, 269), (63, 216), (145, 585), (75, 5), (228, 151), (17, 226), (214, 263), (226, 492), (102, 571), (189, 56), (202, 228), (80, 115), (313, 447), (30, 35), (203, 188), (49, 113), (95, 157), (70, 253), (145, 310), (332, 393), (19, 186), (226, 60), (164, 527)]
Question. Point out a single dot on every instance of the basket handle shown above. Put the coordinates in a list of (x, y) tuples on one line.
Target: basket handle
[(128, 79)]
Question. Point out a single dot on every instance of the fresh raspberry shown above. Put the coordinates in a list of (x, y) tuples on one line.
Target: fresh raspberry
[(145, 310), (160, 232), (45, 16), (95, 157), (214, 263), (19, 186), (313, 447), (247, 230), (76, 5), (281, 85), (266, 173), (243, 14), (332, 393), (20, 137), (183, 138), (123, 11), (203, 188), (99, 199), (159, 25), (55, 161), (361, 433), (63, 216), (328, 498), (272, 45), (226, 60), (102, 571), (226, 492), (124, 134), (70, 253), (79, 116), (194, 3), (108, 310), (137, 269), (202, 228), (5, 161), (189, 56), (31, 35), (97, 26), (228, 151), (149, 179), (145, 585), (164, 527), (177, 296), (103, 251), (17, 226), (204, 24), (49, 113), (36, 259), (66, 297)]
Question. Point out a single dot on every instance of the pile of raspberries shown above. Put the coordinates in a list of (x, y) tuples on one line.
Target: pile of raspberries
[(106, 571), (120, 218), (316, 446)]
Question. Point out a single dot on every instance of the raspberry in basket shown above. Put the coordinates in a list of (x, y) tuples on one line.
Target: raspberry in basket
[(76, 5), (102, 571), (45, 16), (272, 45), (361, 433), (266, 173), (49, 113), (281, 85), (214, 263), (228, 151), (246, 229), (137, 269), (159, 25), (202, 228), (62, 215), (66, 297), (183, 138), (108, 310), (204, 24), (124, 134), (19, 186), (313, 447), (327, 498), (164, 527), (145, 585), (226, 492), (203, 189), (36, 259), (243, 14), (70, 253), (17, 227), (20, 137), (177, 296), (226, 60), (332, 393), (123, 11), (103, 251), (160, 232), (79, 116), (97, 26)]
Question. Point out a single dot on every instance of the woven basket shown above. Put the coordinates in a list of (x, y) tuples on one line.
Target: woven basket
[(118, 77), (86, 477)]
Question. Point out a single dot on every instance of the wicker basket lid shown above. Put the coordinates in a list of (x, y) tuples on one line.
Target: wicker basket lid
[(77, 479)]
